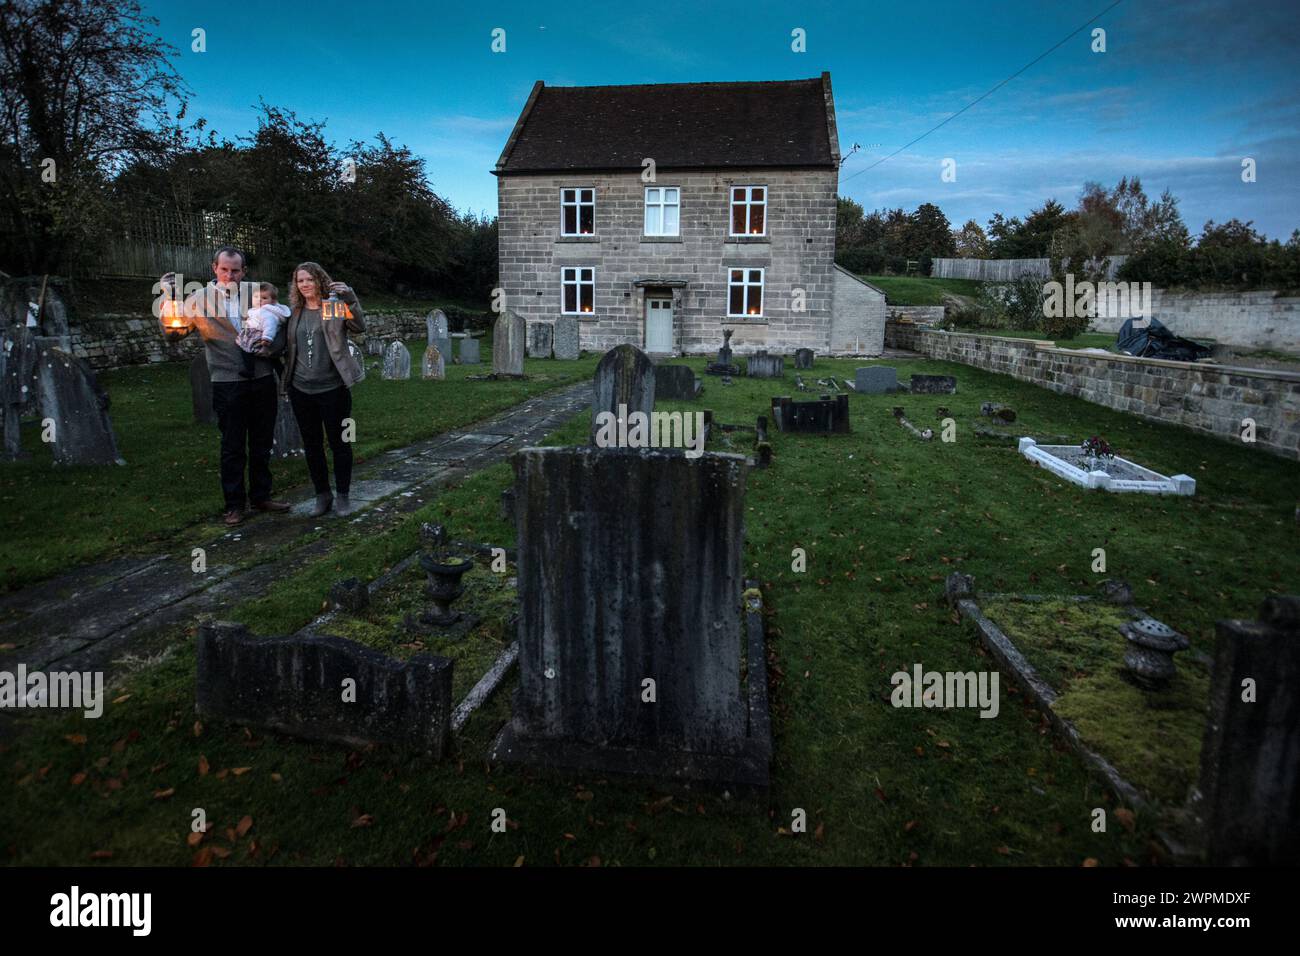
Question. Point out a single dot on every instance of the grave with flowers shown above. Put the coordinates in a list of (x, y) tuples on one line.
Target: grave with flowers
[(1093, 464)]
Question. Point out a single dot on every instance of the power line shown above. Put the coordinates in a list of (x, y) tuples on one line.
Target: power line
[(1040, 56)]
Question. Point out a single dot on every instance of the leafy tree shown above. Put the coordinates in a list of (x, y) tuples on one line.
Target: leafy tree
[(970, 241), (930, 233)]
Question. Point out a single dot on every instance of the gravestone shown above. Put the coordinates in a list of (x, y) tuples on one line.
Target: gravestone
[(829, 415), (201, 390), (630, 568), (677, 382), (539, 340), (875, 380), (360, 359), (68, 392), (625, 377), (724, 353), (566, 339), (286, 442), (1250, 763), (374, 346), (292, 684), (469, 352), (437, 332), (762, 365), (18, 357), (433, 366), (934, 384), (397, 362), (803, 358), (508, 335)]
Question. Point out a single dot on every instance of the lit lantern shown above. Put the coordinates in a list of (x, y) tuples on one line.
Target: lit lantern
[(173, 322), (334, 308)]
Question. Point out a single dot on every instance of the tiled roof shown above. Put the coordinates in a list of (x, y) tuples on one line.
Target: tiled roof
[(678, 125)]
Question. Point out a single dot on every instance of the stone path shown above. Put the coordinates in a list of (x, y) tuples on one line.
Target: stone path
[(102, 616)]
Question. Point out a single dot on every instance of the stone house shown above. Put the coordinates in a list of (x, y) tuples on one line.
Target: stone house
[(661, 214)]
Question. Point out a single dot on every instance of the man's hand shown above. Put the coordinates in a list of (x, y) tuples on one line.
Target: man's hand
[(264, 346)]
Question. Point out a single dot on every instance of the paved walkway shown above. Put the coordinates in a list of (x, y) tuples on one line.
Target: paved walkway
[(102, 616)]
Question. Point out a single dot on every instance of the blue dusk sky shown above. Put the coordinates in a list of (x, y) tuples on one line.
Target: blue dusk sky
[(1184, 91)]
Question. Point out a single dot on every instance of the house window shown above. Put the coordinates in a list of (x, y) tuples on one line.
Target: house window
[(662, 210), (577, 212), (579, 290), (745, 292), (749, 210)]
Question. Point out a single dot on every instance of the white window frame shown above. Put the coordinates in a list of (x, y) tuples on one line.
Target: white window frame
[(748, 203), (746, 283), (577, 282), (577, 204), (662, 205)]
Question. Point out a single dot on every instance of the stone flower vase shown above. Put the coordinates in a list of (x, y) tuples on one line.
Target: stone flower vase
[(444, 587)]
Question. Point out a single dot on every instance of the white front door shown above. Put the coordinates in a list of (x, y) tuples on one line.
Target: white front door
[(658, 325)]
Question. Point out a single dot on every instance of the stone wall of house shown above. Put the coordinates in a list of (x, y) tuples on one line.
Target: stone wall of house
[(1208, 398), (797, 254), (1262, 320), (117, 340), (857, 316)]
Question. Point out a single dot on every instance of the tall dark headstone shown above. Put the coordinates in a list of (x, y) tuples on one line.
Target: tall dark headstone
[(724, 353), (1250, 759), (69, 393), (201, 390), (18, 358), (437, 332), (803, 358), (508, 341), (762, 365), (625, 377), (676, 382), (566, 344), (469, 351), (539, 340), (631, 640)]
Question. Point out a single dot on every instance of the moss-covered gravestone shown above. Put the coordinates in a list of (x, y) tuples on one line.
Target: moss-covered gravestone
[(624, 383)]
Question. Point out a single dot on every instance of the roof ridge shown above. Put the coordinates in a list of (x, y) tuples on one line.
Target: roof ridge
[(642, 86)]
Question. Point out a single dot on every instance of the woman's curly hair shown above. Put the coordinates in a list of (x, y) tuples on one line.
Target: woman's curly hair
[(322, 278)]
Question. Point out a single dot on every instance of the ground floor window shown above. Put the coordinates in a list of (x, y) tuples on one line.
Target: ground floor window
[(579, 290), (745, 292)]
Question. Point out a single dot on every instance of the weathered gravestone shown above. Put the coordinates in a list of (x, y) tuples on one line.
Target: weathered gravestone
[(803, 358), (296, 685), (18, 358), (1250, 758), (437, 332), (508, 335), (355, 351), (829, 415), (875, 380), (68, 392), (566, 341), (934, 384), (469, 351), (762, 365), (286, 441), (397, 362), (374, 346), (630, 586), (676, 382), (539, 340), (624, 383), (433, 366), (724, 353), (201, 390)]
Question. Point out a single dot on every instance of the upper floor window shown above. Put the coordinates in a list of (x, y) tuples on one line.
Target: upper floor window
[(577, 212), (749, 210), (745, 292), (579, 285), (662, 210)]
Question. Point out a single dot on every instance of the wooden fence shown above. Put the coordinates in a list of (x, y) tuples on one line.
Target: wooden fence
[(1002, 270), (148, 243)]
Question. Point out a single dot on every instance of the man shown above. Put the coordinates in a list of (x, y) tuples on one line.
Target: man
[(245, 407)]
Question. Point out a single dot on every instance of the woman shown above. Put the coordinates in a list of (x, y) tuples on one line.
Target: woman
[(319, 371)]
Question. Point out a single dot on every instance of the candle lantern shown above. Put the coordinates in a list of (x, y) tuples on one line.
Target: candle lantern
[(334, 308), (171, 315)]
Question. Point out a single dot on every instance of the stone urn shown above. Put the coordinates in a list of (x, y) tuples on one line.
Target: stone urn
[(1152, 646), (444, 587)]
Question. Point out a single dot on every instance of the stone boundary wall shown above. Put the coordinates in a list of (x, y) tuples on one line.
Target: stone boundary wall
[(1205, 397), (114, 341), (1262, 320), (1002, 270)]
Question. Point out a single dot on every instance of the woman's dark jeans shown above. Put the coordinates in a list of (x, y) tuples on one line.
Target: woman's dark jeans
[(325, 410)]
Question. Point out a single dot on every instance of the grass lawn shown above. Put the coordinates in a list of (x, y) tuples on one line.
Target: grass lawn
[(922, 290), (883, 518), (54, 518)]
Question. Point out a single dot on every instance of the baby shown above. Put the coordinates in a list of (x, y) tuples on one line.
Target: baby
[(263, 322)]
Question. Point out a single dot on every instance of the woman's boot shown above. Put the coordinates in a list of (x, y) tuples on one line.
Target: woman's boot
[(323, 503), (343, 505)]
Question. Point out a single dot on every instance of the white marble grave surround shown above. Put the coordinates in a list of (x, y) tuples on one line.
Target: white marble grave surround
[(1151, 482)]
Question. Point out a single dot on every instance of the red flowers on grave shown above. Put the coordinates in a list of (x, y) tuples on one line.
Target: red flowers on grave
[(1097, 448)]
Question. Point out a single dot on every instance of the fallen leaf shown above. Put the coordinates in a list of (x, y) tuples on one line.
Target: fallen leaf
[(364, 820), (240, 771), (102, 855), (820, 833), (203, 857), (194, 839), (880, 795), (519, 860), (1091, 861), (203, 766), (79, 778), (909, 826), (245, 825), (122, 699), (1004, 850), (276, 777), (77, 739), (1125, 816), (163, 794), (198, 728), (220, 852)]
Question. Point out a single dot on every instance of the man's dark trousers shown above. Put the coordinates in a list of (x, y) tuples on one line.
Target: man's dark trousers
[(246, 416)]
